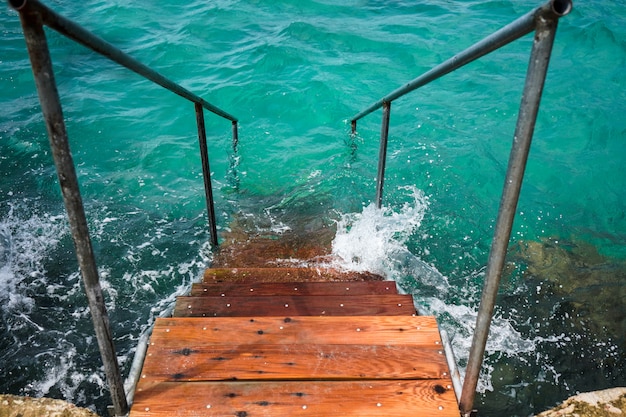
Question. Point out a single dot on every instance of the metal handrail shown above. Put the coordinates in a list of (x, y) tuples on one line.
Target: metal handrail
[(33, 16), (543, 20), (80, 35), (77, 33), (500, 38)]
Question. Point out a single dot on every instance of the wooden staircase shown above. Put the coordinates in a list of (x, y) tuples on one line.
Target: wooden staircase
[(253, 342)]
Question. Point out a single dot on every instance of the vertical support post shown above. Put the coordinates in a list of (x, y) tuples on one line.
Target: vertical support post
[(206, 172), (529, 107), (353, 126), (53, 114), (382, 153), (235, 137)]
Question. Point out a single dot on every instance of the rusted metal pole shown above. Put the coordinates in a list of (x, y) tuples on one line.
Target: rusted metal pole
[(529, 107), (382, 153), (53, 114), (206, 172)]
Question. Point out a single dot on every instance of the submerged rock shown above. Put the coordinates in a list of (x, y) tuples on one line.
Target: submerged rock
[(14, 406), (605, 403), (594, 285)]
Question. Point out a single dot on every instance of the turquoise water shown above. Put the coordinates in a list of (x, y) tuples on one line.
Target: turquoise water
[(294, 73)]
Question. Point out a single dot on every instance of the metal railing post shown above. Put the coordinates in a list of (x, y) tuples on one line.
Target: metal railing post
[(552, 9), (382, 153), (206, 172), (529, 107), (53, 114), (235, 136), (82, 36)]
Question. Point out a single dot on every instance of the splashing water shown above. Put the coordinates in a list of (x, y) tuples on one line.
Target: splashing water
[(25, 245), (369, 240), (376, 240), (293, 72)]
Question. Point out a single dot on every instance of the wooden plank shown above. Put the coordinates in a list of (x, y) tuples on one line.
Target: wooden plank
[(324, 330), (213, 275), (294, 306), (301, 288), (259, 361), (431, 398), (204, 331)]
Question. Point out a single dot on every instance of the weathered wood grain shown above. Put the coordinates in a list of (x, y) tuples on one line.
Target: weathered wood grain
[(363, 330), (213, 275), (387, 398), (298, 361), (366, 305), (288, 288), (267, 349)]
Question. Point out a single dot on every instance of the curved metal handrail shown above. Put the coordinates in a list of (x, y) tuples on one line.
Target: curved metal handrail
[(551, 10), (509, 33), (43, 15), (34, 15), (543, 20), (81, 35)]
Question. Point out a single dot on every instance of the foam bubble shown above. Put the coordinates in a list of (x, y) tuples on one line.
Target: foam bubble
[(376, 240), (367, 241), (26, 241)]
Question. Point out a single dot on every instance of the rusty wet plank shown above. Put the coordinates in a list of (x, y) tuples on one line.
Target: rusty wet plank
[(288, 288), (388, 398), (366, 305)]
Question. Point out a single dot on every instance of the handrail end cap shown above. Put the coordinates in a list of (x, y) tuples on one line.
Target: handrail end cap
[(17, 4)]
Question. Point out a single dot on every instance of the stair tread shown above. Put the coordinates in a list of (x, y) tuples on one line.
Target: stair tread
[(175, 332), (304, 348), (393, 304), (213, 275), (275, 366), (290, 288), (262, 361), (388, 398)]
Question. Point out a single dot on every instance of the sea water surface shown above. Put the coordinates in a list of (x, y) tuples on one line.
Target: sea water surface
[(294, 72)]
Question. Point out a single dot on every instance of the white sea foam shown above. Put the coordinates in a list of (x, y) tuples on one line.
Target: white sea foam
[(25, 242), (28, 242), (376, 241), (372, 239), (57, 372)]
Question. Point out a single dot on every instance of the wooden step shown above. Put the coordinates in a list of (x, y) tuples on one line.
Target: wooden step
[(312, 362), (263, 344), (213, 275), (207, 331), (284, 366), (365, 305), (203, 349), (227, 289), (380, 398)]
